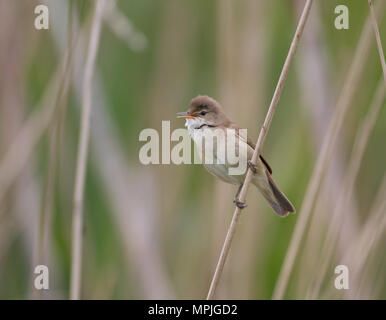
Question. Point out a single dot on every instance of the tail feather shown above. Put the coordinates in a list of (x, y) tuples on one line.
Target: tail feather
[(285, 205), (277, 200)]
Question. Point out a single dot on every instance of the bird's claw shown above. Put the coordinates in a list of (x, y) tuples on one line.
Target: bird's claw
[(252, 166), (239, 204)]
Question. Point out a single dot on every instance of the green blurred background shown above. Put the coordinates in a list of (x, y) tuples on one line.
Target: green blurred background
[(156, 231)]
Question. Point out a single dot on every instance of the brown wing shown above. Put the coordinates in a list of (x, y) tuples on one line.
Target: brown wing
[(252, 145)]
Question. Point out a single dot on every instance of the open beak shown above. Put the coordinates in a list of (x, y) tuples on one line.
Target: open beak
[(186, 115)]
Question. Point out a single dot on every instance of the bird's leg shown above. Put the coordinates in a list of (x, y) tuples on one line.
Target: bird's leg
[(252, 166), (239, 204)]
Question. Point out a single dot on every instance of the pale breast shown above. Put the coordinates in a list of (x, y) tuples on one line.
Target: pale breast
[(220, 161)]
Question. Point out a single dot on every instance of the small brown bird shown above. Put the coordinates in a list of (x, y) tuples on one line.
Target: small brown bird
[(205, 115)]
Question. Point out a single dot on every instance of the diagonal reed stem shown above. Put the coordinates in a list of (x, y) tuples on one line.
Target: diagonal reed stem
[(259, 145), (77, 219)]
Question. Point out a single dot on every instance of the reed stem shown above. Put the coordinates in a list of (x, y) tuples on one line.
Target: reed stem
[(259, 145), (77, 220)]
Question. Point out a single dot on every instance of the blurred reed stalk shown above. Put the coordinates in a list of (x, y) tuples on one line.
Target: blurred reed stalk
[(49, 188), (123, 28), (77, 222), (358, 252), (356, 157), (360, 143), (55, 136), (317, 89), (29, 135), (19, 209), (378, 39), (136, 219), (19, 151), (325, 155), (259, 145)]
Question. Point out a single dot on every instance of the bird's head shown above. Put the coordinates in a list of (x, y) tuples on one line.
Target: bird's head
[(204, 110)]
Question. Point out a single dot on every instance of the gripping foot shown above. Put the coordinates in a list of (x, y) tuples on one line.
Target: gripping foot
[(239, 204)]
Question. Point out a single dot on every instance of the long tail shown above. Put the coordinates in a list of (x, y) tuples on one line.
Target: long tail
[(271, 192)]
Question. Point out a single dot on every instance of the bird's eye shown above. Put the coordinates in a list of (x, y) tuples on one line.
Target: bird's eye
[(203, 113)]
